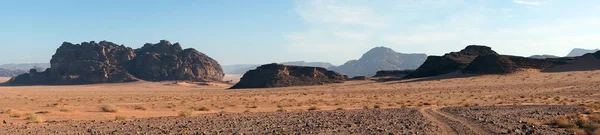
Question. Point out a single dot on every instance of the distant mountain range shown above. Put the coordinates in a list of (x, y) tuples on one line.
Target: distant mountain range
[(243, 68), (579, 52), (545, 56), (25, 66), (380, 58), (12, 70)]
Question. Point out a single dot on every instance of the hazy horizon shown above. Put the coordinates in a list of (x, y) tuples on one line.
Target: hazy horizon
[(253, 32)]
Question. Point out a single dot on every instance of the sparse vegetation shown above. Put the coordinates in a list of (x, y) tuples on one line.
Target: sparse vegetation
[(186, 113), (579, 123), (64, 110), (119, 117), (200, 108), (376, 106), (139, 107), (32, 118), (109, 108), (313, 108)]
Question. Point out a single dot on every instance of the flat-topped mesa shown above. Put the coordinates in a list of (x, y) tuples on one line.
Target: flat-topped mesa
[(450, 62), (278, 75), (107, 62)]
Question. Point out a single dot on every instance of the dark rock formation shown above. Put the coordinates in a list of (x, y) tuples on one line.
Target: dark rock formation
[(358, 78), (393, 73), (107, 62), (502, 64), (580, 52), (166, 61), (380, 58), (450, 62), (243, 68), (278, 75)]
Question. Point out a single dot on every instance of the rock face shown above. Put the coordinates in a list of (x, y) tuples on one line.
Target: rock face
[(243, 68), (107, 62), (580, 52), (502, 64), (393, 73), (450, 62), (278, 75), (166, 61), (380, 58)]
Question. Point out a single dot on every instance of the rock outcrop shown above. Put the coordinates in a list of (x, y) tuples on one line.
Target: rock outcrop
[(393, 73), (450, 62), (107, 62), (166, 61), (502, 64), (278, 75), (380, 58), (243, 68)]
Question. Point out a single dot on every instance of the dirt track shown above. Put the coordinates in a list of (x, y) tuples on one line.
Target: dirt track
[(428, 120)]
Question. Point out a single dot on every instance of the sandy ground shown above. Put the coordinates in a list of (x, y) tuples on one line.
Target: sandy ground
[(233, 77), (156, 99)]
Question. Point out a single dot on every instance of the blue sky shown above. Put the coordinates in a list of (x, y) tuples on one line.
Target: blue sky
[(264, 31)]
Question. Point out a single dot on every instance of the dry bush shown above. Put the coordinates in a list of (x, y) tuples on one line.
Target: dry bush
[(109, 108), (32, 118), (376, 106), (64, 110), (313, 108), (186, 113), (579, 123), (200, 108), (339, 108), (139, 107), (119, 117), (14, 114), (281, 110)]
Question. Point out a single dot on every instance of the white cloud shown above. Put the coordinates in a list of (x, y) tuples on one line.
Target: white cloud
[(332, 12), (417, 39), (529, 2)]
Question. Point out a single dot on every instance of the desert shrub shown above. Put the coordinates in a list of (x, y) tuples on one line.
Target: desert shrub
[(339, 108), (64, 110), (32, 118), (119, 117), (313, 108), (579, 123), (281, 109), (376, 106), (186, 113), (15, 114), (109, 108), (139, 107), (200, 108)]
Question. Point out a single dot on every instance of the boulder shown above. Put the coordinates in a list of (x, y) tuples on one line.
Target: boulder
[(278, 75), (450, 62)]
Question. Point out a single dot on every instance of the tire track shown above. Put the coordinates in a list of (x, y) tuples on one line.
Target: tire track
[(451, 124)]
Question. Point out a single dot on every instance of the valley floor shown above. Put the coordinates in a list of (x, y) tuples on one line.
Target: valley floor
[(429, 105)]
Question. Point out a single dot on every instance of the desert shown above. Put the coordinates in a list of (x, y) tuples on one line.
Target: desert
[(139, 102)]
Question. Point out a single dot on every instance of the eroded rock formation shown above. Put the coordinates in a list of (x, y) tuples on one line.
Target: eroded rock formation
[(278, 75)]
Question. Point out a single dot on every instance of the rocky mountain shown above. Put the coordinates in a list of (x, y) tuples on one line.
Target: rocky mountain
[(279, 75), (450, 62), (579, 52), (107, 62), (542, 56), (243, 68), (25, 66), (380, 58), (11, 73), (503, 64)]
